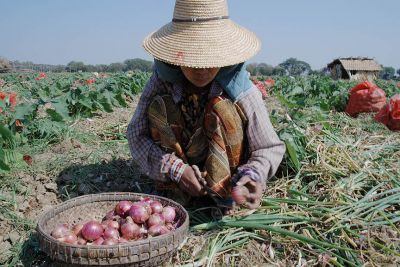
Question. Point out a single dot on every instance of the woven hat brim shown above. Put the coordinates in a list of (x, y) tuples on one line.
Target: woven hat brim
[(202, 44)]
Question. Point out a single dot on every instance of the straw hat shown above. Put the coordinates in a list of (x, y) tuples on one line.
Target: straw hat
[(201, 35)]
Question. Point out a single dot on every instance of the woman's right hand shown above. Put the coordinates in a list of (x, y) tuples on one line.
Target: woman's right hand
[(190, 184)]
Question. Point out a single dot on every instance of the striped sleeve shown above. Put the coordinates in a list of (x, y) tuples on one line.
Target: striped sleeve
[(265, 147), (145, 152)]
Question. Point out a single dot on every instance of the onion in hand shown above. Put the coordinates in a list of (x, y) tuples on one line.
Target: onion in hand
[(240, 194)]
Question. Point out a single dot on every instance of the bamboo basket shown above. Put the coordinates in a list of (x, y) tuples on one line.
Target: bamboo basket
[(153, 251)]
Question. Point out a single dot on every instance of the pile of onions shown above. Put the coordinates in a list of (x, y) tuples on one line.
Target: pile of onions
[(128, 221)]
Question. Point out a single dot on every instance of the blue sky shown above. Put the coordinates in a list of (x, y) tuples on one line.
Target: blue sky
[(105, 31)]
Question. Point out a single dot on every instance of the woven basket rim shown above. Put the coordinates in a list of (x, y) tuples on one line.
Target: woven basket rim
[(84, 199)]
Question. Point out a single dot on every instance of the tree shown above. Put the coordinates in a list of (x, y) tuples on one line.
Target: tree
[(90, 68), (264, 69), (75, 66), (398, 72), (295, 67), (252, 68), (5, 65), (138, 64), (116, 67), (387, 73), (279, 71)]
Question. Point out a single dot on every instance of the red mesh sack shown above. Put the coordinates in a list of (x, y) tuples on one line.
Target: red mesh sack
[(261, 87), (365, 97), (390, 114)]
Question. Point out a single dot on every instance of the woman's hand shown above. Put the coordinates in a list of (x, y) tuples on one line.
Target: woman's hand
[(190, 184), (253, 199)]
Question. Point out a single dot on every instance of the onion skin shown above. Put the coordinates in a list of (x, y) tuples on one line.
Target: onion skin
[(123, 207), (98, 241), (111, 215), (147, 200), (110, 223), (92, 230), (155, 219), (155, 230), (139, 213), (60, 231), (69, 238), (240, 194), (77, 229), (146, 204), (164, 229), (156, 207), (81, 241), (169, 214), (130, 231), (111, 233)]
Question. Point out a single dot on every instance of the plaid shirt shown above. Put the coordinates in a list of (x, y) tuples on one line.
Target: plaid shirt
[(265, 148)]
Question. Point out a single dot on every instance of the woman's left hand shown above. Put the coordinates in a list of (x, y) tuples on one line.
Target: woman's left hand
[(253, 200)]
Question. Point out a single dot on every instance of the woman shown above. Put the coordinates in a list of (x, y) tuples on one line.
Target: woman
[(200, 122)]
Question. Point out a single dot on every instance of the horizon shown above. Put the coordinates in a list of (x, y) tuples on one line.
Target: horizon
[(104, 32)]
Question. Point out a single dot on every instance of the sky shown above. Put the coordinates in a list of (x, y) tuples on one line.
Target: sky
[(107, 31)]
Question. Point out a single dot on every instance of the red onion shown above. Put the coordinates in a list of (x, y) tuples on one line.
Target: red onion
[(170, 226), (111, 215), (69, 238), (77, 228), (147, 200), (81, 241), (145, 204), (240, 194), (128, 220), (156, 207), (143, 230), (98, 241), (169, 214), (60, 231), (157, 230), (110, 223), (130, 231), (164, 229), (139, 213), (92, 230), (155, 219), (123, 207), (111, 233), (110, 241)]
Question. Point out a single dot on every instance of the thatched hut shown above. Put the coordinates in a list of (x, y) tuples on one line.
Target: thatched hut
[(351, 68)]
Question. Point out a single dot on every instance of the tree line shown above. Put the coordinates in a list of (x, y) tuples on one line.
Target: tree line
[(295, 67), (291, 66), (77, 66)]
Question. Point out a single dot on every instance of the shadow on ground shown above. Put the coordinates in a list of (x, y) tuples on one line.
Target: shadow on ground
[(115, 176)]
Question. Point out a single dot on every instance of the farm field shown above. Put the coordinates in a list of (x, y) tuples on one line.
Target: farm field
[(334, 201)]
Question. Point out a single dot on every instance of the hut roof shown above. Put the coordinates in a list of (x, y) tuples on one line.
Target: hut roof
[(363, 64)]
